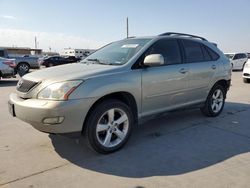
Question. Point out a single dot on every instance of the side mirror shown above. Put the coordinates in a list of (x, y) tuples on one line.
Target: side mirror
[(154, 60)]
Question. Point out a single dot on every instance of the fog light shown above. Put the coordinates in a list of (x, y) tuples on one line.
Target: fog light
[(53, 120)]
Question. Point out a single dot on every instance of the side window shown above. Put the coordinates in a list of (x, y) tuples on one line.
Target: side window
[(237, 56), (193, 51), (243, 56), (169, 49), (1, 53)]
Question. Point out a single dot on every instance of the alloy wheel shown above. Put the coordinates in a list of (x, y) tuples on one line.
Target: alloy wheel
[(112, 127), (217, 101)]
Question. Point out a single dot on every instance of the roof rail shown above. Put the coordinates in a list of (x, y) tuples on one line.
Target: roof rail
[(182, 34)]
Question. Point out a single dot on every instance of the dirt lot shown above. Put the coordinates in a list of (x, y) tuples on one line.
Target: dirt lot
[(181, 149)]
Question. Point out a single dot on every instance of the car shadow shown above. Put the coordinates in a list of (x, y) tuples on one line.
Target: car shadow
[(172, 144), (8, 83)]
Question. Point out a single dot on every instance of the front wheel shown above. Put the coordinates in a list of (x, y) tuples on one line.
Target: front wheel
[(246, 80), (109, 126), (243, 66), (215, 101)]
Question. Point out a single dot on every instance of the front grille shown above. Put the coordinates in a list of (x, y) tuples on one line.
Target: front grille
[(25, 85), (246, 74)]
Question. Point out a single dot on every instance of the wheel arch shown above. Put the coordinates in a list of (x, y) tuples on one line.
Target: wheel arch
[(122, 96), (23, 62), (224, 83)]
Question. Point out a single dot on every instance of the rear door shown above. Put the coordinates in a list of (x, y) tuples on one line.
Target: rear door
[(164, 87), (202, 62)]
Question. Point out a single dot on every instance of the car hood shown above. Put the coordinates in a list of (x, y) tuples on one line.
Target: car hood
[(70, 72)]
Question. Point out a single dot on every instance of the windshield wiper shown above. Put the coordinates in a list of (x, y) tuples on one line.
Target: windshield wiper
[(97, 61), (100, 62)]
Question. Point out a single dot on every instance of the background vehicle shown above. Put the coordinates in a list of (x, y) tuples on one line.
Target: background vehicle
[(23, 63), (237, 60), (58, 60), (246, 72), (7, 67), (105, 95)]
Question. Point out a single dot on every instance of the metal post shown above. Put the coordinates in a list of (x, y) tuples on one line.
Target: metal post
[(35, 43), (127, 28)]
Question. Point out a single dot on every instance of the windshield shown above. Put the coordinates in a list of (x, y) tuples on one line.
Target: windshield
[(229, 56), (116, 53)]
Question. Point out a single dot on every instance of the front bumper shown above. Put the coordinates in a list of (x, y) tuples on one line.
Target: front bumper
[(34, 111), (246, 72)]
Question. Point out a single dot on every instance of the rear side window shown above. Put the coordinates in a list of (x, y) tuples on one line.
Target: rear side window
[(239, 56), (212, 54), (197, 52), (169, 49), (193, 51), (206, 54), (243, 56)]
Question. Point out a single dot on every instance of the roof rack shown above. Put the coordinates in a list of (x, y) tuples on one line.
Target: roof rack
[(182, 34)]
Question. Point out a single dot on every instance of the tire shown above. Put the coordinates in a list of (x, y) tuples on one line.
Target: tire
[(23, 68), (215, 101), (246, 80), (109, 126), (50, 65)]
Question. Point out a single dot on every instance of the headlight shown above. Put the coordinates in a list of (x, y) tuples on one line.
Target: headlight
[(59, 91)]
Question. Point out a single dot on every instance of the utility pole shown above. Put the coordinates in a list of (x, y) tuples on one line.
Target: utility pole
[(35, 43), (127, 28)]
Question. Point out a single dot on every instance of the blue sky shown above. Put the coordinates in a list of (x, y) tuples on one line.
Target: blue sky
[(91, 24)]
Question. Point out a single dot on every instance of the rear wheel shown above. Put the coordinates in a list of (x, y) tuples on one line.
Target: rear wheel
[(23, 68), (109, 126), (215, 101)]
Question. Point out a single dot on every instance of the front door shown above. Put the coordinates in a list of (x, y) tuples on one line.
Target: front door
[(164, 87)]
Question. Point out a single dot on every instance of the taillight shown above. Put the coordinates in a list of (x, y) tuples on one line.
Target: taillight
[(11, 64)]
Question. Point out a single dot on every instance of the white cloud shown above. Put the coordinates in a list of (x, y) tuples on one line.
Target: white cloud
[(55, 41), (8, 17)]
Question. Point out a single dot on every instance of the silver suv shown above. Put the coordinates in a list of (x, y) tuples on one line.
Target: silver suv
[(105, 95)]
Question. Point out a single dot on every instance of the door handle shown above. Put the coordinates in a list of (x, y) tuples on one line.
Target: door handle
[(213, 67), (183, 70)]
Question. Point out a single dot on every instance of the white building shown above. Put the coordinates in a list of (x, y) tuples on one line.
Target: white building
[(77, 52)]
